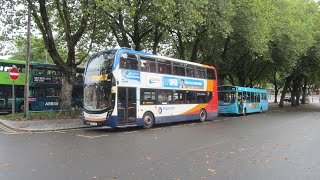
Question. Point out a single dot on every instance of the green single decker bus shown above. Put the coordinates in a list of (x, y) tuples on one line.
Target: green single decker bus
[(45, 86)]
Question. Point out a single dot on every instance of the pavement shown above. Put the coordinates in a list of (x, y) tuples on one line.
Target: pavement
[(44, 125), (65, 124)]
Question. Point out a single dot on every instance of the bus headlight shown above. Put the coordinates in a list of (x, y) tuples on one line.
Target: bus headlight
[(109, 113)]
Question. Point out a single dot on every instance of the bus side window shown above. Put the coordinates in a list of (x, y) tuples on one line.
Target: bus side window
[(190, 70), (211, 74), (164, 67), (248, 97), (200, 72), (147, 64), (252, 97), (191, 97), (148, 96)]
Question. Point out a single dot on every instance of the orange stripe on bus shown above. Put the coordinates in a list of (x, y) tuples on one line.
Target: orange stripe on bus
[(195, 109), (95, 119), (209, 85)]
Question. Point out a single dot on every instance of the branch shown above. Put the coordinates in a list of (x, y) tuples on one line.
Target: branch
[(92, 37), (47, 34), (83, 24), (64, 18)]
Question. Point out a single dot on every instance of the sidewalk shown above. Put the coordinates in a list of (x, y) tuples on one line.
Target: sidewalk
[(44, 125)]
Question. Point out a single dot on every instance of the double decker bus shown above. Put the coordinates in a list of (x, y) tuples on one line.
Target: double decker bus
[(242, 100), (124, 88), (45, 85), (6, 84)]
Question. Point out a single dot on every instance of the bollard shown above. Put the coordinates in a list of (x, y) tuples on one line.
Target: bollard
[(72, 112), (50, 114)]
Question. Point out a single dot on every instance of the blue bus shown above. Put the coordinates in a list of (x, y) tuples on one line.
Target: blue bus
[(241, 100)]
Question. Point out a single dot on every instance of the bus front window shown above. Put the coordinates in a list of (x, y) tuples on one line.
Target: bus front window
[(98, 82), (226, 98)]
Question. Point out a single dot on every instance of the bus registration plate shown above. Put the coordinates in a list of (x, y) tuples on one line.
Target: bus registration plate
[(93, 124)]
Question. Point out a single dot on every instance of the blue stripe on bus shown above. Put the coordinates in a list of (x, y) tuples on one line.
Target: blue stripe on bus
[(112, 121)]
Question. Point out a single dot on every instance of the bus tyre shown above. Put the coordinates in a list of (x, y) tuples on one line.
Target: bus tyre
[(203, 115), (148, 120), (21, 107)]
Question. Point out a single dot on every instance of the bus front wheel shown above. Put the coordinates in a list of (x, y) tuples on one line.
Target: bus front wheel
[(203, 115), (148, 120), (21, 107)]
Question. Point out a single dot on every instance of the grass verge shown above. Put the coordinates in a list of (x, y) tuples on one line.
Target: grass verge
[(44, 115)]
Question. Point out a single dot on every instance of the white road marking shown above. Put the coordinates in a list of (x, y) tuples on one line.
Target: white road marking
[(91, 137)]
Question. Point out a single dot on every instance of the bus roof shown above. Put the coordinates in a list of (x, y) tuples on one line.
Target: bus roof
[(161, 57), (9, 61), (239, 88)]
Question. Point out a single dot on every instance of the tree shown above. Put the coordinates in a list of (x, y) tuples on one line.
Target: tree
[(71, 22), (243, 50), (38, 52)]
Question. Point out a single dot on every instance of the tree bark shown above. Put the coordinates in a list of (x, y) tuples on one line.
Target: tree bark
[(285, 89)]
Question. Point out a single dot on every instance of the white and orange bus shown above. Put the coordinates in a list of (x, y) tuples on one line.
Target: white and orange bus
[(124, 88)]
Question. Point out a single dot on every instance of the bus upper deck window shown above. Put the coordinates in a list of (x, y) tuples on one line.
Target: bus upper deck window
[(148, 64), (200, 72), (128, 61), (190, 71)]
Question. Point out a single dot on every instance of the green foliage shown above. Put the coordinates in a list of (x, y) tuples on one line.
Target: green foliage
[(249, 41), (38, 51)]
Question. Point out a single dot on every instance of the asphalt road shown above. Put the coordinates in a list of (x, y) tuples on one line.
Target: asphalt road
[(278, 144)]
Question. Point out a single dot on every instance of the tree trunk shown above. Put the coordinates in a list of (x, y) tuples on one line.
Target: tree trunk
[(275, 86), (66, 91), (285, 89), (180, 48), (275, 95), (304, 91)]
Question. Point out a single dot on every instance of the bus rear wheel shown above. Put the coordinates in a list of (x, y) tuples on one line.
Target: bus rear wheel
[(203, 115), (148, 120)]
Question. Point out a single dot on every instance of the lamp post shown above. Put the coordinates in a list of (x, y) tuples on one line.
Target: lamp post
[(26, 86)]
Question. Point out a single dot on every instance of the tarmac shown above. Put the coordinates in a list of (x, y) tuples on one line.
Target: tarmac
[(65, 124)]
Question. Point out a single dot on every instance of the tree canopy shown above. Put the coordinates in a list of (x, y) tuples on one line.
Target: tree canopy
[(250, 42)]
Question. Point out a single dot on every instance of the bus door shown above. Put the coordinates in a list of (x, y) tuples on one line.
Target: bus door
[(127, 105), (240, 101)]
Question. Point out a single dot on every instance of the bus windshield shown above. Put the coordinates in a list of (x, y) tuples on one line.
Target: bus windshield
[(98, 82), (226, 98)]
